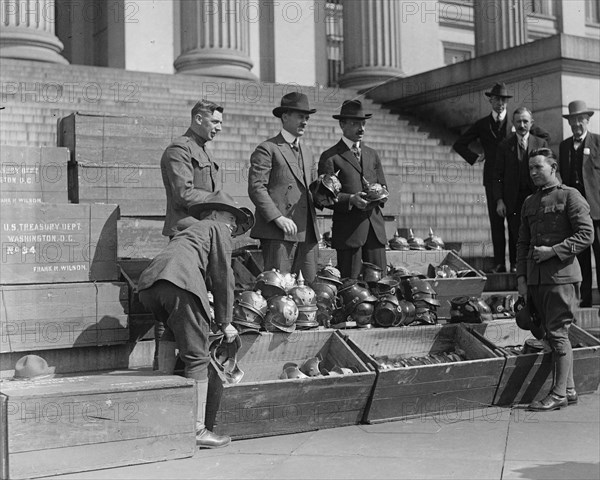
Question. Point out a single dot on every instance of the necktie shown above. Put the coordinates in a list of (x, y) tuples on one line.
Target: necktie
[(356, 150), (523, 143), (295, 146), (498, 124), (576, 143)]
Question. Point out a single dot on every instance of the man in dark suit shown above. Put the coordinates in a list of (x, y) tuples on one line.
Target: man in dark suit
[(188, 171), (281, 170), (512, 183), (580, 168), (358, 230), (490, 131), (555, 227)]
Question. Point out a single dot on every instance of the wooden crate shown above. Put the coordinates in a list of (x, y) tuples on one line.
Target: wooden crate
[(51, 243), (33, 175), (63, 315), (82, 360), (262, 405), (116, 159), (529, 377), (75, 424), (440, 389), (446, 288)]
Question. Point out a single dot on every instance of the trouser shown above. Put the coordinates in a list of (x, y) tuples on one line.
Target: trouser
[(554, 304), (349, 260), (496, 226), (585, 262), (291, 257), (185, 322)]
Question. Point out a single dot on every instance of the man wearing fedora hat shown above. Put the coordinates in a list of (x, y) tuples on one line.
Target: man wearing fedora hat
[(490, 131), (174, 288), (281, 170), (579, 160), (358, 230)]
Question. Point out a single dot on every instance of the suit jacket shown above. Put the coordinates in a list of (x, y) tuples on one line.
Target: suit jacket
[(277, 187), (483, 131), (590, 167), (507, 170), (557, 217), (351, 226), (189, 174), (200, 253)]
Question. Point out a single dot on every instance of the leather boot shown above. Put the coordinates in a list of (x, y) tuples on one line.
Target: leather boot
[(204, 437), (166, 357), (572, 397)]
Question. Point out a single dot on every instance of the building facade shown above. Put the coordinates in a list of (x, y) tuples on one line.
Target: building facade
[(350, 43)]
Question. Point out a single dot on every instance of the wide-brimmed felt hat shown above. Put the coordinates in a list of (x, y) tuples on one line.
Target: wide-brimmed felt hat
[(499, 90), (32, 367), (293, 101), (578, 107), (221, 200), (352, 110)]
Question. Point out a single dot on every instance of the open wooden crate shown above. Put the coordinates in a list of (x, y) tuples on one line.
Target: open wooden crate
[(528, 377), (445, 388), (263, 405), (446, 288)]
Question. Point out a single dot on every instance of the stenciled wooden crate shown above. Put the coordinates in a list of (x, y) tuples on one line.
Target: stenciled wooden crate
[(79, 423), (63, 315), (437, 389), (446, 288), (33, 175), (529, 377), (263, 405), (50, 243)]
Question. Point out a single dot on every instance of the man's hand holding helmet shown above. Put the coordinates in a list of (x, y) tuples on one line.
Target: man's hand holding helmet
[(229, 331)]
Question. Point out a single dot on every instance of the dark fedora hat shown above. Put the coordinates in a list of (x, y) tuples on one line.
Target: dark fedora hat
[(221, 200), (352, 110), (499, 90), (32, 367), (578, 107), (293, 101)]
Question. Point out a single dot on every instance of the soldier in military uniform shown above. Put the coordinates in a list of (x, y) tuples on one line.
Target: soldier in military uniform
[(555, 227), (174, 288)]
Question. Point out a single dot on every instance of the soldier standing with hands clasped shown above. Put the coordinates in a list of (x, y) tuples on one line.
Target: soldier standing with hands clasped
[(555, 227)]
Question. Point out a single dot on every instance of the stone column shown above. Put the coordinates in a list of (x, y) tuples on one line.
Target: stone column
[(28, 31), (371, 49), (215, 39), (499, 24)]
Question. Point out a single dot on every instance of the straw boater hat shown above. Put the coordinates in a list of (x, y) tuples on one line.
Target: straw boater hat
[(352, 110), (220, 200), (578, 107), (293, 101), (499, 90), (32, 367)]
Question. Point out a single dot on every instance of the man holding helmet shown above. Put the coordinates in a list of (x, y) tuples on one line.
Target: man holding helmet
[(174, 288), (555, 227)]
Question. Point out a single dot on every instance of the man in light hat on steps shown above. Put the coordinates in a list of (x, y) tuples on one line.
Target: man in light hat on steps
[(358, 230), (579, 160), (174, 288), (490, 131), (281, 170)]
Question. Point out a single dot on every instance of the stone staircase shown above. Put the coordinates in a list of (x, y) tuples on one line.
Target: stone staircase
[(430, 185)]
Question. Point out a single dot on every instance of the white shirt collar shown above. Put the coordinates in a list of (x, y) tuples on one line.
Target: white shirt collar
[(349, 142), (582, 138), (288, 137), (498, 115), (524, 137)]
